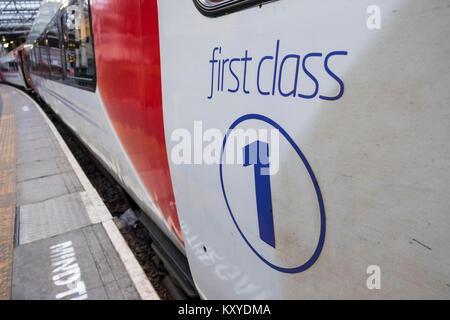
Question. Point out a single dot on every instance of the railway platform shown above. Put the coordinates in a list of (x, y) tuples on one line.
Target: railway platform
[(57, 238)]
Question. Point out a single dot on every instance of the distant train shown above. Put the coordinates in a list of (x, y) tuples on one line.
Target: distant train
[(280, 149)]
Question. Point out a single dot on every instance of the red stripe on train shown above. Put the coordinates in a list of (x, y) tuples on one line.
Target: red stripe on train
[(127, 53)]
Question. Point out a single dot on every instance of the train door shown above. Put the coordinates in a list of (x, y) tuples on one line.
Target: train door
[(24, 69), (308, 148)]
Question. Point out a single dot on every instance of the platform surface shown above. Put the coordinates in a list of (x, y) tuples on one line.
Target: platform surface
[(7, 193), (57, 238)]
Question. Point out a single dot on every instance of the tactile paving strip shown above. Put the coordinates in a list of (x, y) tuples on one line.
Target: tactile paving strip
[(52, 217), (7, 191)]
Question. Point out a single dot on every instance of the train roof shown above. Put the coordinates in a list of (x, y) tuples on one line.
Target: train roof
[(46, 12)]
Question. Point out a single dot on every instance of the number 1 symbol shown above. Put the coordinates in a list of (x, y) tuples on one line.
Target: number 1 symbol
[(257, 154)]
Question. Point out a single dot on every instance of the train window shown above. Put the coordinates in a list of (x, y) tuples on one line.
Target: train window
[(44, 59), (32, 60), (5, 67), (54, 50), (214, 8), (79, 61), (35, 59)]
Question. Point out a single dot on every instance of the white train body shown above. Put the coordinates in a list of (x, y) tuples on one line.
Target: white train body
[(358, 94)]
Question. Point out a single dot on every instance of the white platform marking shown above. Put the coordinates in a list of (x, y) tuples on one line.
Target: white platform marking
[(67, 272)]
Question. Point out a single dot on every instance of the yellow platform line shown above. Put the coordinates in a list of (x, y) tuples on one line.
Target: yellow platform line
[(8, 138)]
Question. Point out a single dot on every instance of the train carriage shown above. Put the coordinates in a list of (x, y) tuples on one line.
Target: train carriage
[(347, 100)]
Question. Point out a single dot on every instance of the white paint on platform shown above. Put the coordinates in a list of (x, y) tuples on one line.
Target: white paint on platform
[(66, 272)]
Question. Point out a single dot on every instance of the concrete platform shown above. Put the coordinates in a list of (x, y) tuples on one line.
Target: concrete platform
[(57, 238)]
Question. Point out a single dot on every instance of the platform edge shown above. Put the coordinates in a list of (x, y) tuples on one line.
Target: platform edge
[(143, 286)]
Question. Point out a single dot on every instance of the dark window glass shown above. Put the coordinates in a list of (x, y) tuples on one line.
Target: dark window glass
[(31, 59), (216, 8), (5, 67), (54, 50), (15, 66), (12, 66), (44, 58), (78, 48), (35, 58)]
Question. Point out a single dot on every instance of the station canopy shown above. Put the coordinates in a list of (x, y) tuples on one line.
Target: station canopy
[(24, 19)]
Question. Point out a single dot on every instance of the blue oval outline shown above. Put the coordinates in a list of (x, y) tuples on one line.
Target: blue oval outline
[(316, 254)]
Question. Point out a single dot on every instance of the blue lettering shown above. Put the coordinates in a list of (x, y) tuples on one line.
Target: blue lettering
[(310, 75), (257, 79), (245, 59), (218, 73), (223, 71), (234, 75), (294, 89), (283, 67), (275, 66), (256, 154), (341, 84), (212, 61)]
